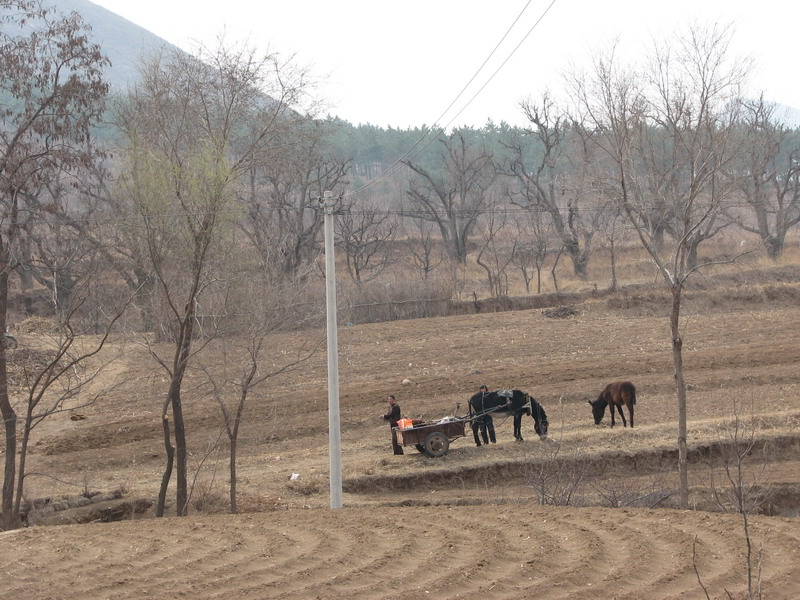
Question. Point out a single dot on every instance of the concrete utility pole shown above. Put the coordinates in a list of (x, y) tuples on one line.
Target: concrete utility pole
[(327, 203)]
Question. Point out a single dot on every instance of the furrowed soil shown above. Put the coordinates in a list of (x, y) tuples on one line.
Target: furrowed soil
[(590, 512)]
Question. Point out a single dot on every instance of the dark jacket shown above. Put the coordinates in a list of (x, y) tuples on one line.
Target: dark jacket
[(393, 415)]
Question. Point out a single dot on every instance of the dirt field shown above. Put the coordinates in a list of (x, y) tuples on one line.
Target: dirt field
[(469, 524)]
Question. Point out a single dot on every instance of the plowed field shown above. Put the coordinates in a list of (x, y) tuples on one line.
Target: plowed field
[(589, 512)]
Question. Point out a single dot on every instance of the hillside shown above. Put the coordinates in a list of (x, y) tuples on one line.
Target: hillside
[(122, 41)]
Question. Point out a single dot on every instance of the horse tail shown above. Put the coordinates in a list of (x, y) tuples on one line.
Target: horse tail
[(633, 394)]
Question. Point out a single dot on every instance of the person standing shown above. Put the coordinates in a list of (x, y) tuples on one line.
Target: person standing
[(393, 416), (484, 421)]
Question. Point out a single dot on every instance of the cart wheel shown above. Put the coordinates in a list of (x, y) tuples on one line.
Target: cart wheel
[(436, 444), (420, 447)]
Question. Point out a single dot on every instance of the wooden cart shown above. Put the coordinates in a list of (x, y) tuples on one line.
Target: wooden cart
[(432, 438)]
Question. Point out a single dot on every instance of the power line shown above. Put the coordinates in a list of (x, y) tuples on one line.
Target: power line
[(517, 47), (488, 58), (492, 210), (390, 168)]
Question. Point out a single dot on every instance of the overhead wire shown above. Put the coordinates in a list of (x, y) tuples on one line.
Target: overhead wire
[(517, 47), (771, 207), (438, 130), (388, 170), (381, 176)]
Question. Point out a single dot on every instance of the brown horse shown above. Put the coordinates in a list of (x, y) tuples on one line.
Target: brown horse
[(616, 395)]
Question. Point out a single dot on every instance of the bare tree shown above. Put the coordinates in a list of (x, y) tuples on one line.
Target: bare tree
[(557, 257), (249, 352), (456, 193), (535, 239), (194, 127), (768, 175), (618, 494), (284, 181), (497, 251), (60, 251), (365, 235), (425, 253), (552, 176), (687, 108), (66, 380), (118, 237), (614, 229), (240, 377), (52, 88), (743, 472)]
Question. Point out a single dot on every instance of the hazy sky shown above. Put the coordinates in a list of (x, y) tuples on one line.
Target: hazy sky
[(403, 64)]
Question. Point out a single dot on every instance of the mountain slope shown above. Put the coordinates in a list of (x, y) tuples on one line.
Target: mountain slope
[(122, 41)]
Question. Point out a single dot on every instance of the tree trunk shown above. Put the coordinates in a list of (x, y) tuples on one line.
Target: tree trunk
[(580, 259), (234, 507), (658, 231), (23, 453), (613, 267), (181, 456), (680, 385), (691, 255), (162, 494), (9, 519), (555, 266), (26, 287), (183, 351), (774, 246), (145, 301), (460, 249)]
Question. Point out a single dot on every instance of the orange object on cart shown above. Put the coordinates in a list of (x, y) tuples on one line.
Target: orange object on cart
[(405, 423)]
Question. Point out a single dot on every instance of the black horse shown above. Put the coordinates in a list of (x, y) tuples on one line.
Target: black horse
[(508, 402)]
